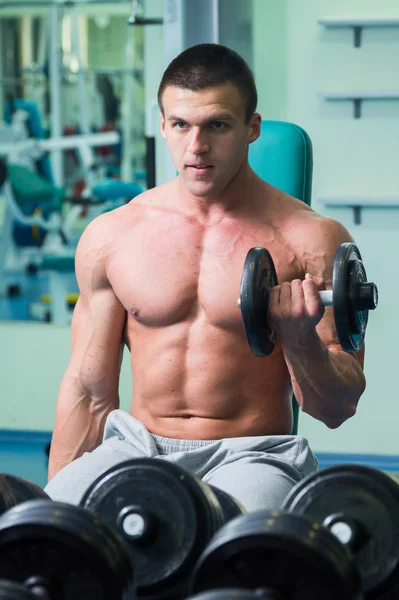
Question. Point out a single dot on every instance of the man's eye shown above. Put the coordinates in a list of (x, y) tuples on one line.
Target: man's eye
[(180, 124), (218, 125)]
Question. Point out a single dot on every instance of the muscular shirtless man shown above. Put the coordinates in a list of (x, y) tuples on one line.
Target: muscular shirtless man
[(162, 275)]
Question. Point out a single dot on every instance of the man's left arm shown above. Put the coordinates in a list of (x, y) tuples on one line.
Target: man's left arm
[(327, 381)]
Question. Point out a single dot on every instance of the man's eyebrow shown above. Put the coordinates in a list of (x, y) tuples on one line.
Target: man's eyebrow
[(219, 117)]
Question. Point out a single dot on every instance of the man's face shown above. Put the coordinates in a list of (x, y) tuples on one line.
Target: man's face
[(207, 135)]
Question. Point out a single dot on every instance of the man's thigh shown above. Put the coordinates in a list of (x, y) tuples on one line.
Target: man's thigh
[(257, 485), (70, 484)]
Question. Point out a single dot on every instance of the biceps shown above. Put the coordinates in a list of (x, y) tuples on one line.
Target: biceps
[(97, 341)]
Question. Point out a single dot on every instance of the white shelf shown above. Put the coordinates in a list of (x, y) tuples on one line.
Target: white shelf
[(355, 22), (358, 96), (358, 203), (358, 25), (361, 95), (367, 202)]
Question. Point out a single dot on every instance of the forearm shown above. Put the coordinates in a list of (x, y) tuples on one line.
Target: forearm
[(79, 426), (327, 383)]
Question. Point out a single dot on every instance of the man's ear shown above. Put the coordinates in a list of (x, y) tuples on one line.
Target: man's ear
[(162, 124), (255, 125)]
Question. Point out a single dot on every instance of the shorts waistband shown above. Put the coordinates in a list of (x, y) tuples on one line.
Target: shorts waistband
[(177, 445)]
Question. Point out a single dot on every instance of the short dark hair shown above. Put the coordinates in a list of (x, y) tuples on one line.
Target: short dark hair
[(209, 65)]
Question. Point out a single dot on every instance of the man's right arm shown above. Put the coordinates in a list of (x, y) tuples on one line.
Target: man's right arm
[(89, 388)]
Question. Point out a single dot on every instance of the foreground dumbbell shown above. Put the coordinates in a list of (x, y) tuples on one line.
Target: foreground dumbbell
[(234, 594), (9, 590), (352, 298), (360, 506), (62, 552), (14, 490), (231, 508), (166, 516), (280, 555)]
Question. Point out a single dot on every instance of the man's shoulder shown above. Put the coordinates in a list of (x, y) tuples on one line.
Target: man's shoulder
[(320, 230), (304, 223), (312, 238), (114, 221)]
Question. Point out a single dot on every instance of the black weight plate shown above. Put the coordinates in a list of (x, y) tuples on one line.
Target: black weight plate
[(22, 489), (181, 515), (9, 590), (288, 553), (6, 495), (14, 490), (347, 272), (366, 496), (232, 594), (69, 550), (230, 506), (258, 276)]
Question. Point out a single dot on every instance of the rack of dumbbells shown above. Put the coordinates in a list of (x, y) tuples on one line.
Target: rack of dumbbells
[(148, 529)]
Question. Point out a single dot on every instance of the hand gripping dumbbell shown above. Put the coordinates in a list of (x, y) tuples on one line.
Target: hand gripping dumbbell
[(166, 516), (352, 297), (360, 506)]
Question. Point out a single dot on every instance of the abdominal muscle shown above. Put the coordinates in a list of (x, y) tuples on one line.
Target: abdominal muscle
[(199, 382)]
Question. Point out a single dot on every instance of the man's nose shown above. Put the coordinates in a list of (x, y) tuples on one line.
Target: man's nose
[(199, 143)]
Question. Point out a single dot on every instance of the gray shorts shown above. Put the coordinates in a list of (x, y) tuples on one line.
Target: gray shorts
[(258, 471)]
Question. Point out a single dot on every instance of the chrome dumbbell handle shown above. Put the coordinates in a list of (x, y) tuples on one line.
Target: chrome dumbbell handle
[(326, 297), (365, 298)]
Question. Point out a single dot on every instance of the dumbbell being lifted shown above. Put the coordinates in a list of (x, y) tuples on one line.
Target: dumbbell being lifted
[(351, 297)]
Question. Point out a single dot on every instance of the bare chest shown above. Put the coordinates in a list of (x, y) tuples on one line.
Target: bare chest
[(165, 273)]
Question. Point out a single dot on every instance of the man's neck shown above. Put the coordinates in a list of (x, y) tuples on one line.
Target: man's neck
[(234, 199)]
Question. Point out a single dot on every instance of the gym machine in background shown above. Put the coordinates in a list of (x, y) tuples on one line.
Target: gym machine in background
[(54, 55), (51, 216)]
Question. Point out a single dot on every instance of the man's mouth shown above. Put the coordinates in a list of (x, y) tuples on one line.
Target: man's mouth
[(200, 167)]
